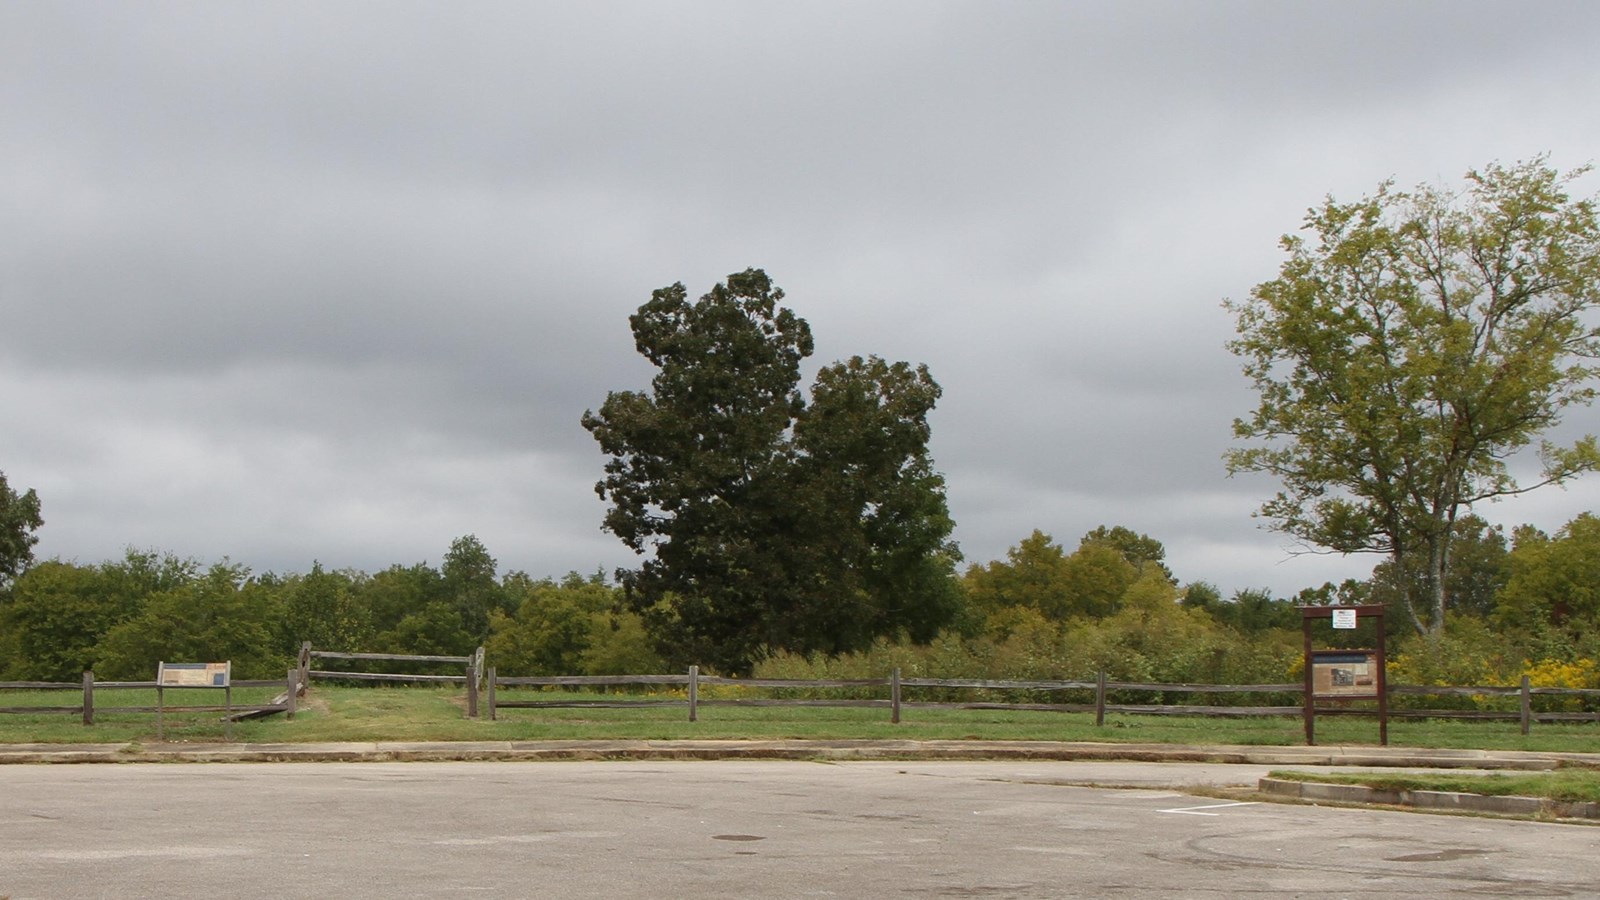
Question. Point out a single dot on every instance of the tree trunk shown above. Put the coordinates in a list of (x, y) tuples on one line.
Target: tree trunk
[(1397, 559), (1438, 564)]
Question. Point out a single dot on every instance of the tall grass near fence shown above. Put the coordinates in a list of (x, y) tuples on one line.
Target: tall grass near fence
[(1051, 655)]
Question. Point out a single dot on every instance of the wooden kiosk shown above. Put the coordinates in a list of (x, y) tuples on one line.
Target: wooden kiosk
[(1340, 675)]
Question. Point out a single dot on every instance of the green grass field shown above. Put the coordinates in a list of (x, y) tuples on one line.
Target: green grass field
[(336, 713)]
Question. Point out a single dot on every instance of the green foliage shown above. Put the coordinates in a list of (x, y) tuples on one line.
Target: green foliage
[(1032, 577), (19, 519), (1479, 652), (215, 617), (770, 524), (1201, 595), (433, 630), (59, 612), (324, 608), (1407, 349), (418, 609), (397, 592), (569, 628), (1097, 575), (1476, 571), (1140, 550), (1038, 575), (1554, 582), (619, 645), (56, 616), (1151, 637), (471, 585), (1471, 653)]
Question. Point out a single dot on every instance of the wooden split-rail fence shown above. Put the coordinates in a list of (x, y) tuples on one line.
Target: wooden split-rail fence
[(286, 702), (1103, 690), (472, 678), (1103, 696)]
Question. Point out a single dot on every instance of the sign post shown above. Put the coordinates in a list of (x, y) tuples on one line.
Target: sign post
[(1345, 674)]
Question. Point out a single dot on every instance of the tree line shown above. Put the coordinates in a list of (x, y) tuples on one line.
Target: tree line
[(1044, 611)]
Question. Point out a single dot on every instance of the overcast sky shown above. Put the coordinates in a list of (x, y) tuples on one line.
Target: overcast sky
[(335, 281)]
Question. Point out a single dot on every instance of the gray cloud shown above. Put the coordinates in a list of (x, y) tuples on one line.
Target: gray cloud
[(337, 280)]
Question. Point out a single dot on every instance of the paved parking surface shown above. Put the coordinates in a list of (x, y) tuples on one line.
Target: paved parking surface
[(739, 829)]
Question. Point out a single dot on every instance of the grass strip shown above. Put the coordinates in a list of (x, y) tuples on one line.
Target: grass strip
[(1567, 785)]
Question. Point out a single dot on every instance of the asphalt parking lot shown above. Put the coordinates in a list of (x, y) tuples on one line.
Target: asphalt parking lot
[(779, 829)]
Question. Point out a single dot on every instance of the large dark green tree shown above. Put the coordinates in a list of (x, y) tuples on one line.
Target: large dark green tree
[(19, 519), (1409, 346), (769, 523)]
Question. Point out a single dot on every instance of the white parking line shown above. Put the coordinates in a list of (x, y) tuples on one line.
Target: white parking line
[(1199, 810)]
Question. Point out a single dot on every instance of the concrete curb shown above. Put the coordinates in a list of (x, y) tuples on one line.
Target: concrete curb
[(786, 749), (1442, 800)]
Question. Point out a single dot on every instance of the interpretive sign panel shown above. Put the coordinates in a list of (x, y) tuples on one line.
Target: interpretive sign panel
[(215, 674), (192, 675), (1344, 674)]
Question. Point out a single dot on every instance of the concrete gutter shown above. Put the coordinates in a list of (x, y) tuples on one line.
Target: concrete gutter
[(1431, 800), (391, 751)]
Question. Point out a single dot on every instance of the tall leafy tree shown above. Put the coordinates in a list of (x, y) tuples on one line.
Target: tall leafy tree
[(1409, 346), (1254, 610), (19, 519), (1039, 574), (768, 523), (1140, 550), (471, 584), (1033, 575), (1477, 571), (58, 612), (1554, 582), (324, 608), (395, 593)]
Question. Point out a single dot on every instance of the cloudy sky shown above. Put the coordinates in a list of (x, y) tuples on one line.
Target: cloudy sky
[(335, 280)]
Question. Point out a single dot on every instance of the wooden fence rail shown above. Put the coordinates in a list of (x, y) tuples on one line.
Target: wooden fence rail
[(1102, 691), (88, 707), (1099, 696), (472, 678)]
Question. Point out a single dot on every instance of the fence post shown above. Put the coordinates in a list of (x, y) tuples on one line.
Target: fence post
[(491, 693), (88, 697), (694, 693), (305, 668), (294, 685), (1527, 706), (472, 692), (894, 696), (1100, 699)]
